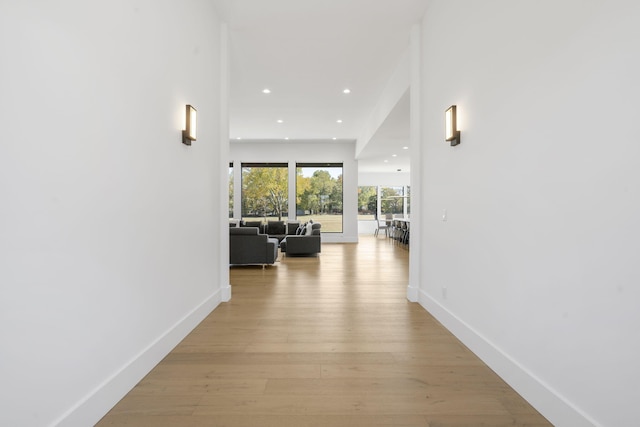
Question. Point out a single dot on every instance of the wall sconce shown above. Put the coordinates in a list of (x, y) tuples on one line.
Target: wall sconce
[(451, 127), (190, 125)]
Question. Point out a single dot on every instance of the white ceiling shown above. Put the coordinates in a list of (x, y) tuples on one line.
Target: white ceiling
[(307, 52), (385, 151)]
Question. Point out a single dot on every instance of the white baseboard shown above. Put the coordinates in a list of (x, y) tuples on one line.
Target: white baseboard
[(98, 402), (338, 238), (557, 409), (412, 293), (225, 293)]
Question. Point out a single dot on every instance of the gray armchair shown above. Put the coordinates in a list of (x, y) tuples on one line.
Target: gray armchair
[(247, 246), (303, 244)]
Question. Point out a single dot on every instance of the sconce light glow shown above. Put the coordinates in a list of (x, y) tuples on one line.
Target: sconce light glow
[(190, 125), (450, 126)]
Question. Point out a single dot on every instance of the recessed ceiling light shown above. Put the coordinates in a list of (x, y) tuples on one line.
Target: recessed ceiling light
[(280, 121), (386, 161), (394, 155), (334, 138), (339, 121), (266, 90), (286, 138), (238, 138), (346, 91), (405, 148)]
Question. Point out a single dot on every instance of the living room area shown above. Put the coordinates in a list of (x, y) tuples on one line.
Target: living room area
[(278, 188)]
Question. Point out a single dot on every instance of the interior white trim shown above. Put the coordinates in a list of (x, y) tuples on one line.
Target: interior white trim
[(89, 410), (415, 133), (223, 161), (556, 408), (339, 238)]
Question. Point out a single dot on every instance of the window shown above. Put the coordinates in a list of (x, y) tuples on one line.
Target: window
[(319, 194), (265, 191), (392, 201), (367, 203)]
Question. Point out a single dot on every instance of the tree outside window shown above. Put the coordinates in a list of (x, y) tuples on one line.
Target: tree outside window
[(392, 201), (265, 190), (367, 203), (319, 194)]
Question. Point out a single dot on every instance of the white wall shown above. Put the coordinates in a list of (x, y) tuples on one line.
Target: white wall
[(391, 93), (536, 266), (396, 179), (108, 223), (307, 151)]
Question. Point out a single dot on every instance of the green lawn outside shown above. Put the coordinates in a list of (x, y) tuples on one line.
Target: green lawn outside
[(330, 223)]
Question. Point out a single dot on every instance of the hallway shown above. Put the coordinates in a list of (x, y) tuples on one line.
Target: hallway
[(323, 341)]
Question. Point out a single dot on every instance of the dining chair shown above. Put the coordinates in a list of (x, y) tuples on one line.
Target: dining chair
[(381, 225)]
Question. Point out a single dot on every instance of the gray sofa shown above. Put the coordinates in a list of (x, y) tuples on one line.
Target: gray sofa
[(248, 246), (280, 229), (275, 229), (303, 244)]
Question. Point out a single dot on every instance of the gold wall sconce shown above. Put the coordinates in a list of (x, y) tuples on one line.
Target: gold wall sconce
[(451, 131), (190, 125)]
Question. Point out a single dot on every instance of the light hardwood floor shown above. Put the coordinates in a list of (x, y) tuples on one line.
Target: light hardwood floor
[(323, 341)]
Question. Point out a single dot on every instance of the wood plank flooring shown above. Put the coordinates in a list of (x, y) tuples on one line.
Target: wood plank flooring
[(323, 341)]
